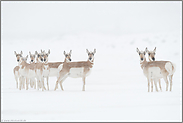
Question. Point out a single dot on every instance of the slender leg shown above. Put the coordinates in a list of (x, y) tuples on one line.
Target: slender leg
[(38, 85), (84, 83), (47, 83), (34, 83), (170, 79), (155, 82), (62, 82), (16, 78), (166, 81), (148, 85), (160, 84), (27, 83), (23, 82), (151, 85), (62, 75), (20, 83)]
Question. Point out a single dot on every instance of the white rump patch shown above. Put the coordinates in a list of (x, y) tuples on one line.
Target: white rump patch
[(169, 67)]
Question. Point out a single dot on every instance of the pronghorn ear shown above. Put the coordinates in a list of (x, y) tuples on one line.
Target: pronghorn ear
[(26, 57), (94, 51), (154, 49), (15, 52), (30, 53), (41, 51), (36, 52), (144, 53), (137, 50), (49, 51), (64, 53), (87, 51), (70, 52), (21, 52)]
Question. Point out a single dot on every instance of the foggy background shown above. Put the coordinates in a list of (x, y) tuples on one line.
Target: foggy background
[(53, 20)]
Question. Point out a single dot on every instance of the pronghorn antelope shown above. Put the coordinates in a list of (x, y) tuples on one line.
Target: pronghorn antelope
[(32, 80), (43, 58), (156, 70), (75, 69), (16, 69), (151, 57)]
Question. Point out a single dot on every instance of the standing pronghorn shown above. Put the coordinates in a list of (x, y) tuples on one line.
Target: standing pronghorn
[(32, 80), (75, 69), (156, 70), (46, 69), (151, 57), (16, 69)]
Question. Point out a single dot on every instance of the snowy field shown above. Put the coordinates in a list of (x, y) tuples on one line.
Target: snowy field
[(116, 90)]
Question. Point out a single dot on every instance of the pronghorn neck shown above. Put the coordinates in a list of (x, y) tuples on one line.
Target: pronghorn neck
[(91, 61), (143, 63)]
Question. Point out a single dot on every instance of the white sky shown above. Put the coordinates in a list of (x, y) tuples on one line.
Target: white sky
[(21, 20)]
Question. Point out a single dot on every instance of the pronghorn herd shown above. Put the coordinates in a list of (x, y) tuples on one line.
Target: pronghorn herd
[(33, 73), (155, 70)]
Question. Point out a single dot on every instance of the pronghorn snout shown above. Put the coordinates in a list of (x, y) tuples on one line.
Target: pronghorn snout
[(142, 59), (153, 59), (18, 60), (90, 58), (31, 60), (69, 59)]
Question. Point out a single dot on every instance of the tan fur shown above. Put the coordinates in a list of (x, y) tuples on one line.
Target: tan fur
[(54, 64)]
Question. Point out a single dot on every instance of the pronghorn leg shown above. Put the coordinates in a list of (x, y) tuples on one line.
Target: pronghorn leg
[(47, 83), (62, 82), (27, 83), (23, 82), (151, 85), (20, 83), (60, 78), (170, 79), (160, 84), (34, 83), (148, 85), (43, 87), (38, 85), (166, 81), (155, 82), (16, 78), (84, 83)]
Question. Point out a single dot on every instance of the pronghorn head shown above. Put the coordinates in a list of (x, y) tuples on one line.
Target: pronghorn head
[(91, 55), (24, 59), (44, 56), (141, 55), (18, 56), (38, 56), (32, 57), (151, 54), (68, 56)]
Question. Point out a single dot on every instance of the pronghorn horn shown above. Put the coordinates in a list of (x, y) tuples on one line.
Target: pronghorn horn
[(36, 52), (49, 51), (94, 51), (30, 53), (41, 51), (137, 50), (64, 53), (146, 49), (155, 49), (21, 52), (70, 52)]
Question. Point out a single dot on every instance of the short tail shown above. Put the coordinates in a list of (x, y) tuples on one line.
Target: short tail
[(170, 67)]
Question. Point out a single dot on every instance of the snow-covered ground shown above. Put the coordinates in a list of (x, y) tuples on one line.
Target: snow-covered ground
[(116, 90)]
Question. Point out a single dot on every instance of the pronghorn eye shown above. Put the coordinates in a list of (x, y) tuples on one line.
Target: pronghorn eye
[(38, 55), (149, 54), (154, 53), (93, 54), (139, 54), (47, 55), (66, 55)]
